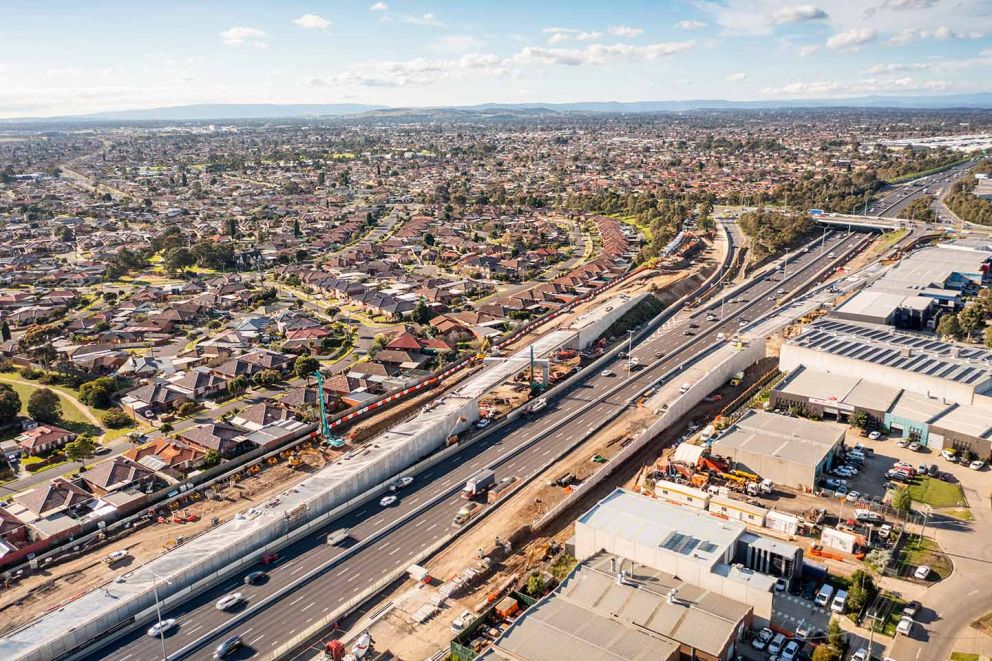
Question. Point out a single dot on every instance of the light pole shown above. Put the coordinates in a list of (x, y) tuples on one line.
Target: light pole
[(630, 357), (158, 612)]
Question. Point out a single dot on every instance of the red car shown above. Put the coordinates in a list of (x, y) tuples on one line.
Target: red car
[(269, 558)]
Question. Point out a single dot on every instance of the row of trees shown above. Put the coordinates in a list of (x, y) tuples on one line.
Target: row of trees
[(920, 210), (972, 320), (771, 231), (963, 202)]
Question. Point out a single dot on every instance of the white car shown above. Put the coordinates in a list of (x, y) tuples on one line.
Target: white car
[(609, 373), (949, 455), (860, 655), (229, 601), (482, 423), (388, 500), (462, 621), (760, 641), (902, 442), (875, 435), (400, 483), (159, 629), (790, 651), (905, 626), (922, 572), (852, 496), (776, 644), (977, 465)]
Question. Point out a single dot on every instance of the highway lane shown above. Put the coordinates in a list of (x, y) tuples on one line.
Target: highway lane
[(286, 617), (897, 198)]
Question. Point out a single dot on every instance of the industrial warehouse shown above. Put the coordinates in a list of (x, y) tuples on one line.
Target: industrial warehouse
[(925, 390)]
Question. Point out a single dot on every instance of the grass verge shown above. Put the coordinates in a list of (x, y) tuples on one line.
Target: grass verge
[(924, 551), (937, 493)]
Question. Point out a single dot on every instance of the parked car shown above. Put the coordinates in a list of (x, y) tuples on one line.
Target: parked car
[(860, 655), (933, 471), (977, 465), (824, 595), (875, 435), (102, 450), (159, 629), (852, 496), (809, 591), (950, 455), (776, 644), (790, 651), (902, 442), (915, 447), (761, 640), (922, 572), (781, 584), (905, 626), (911, 609)]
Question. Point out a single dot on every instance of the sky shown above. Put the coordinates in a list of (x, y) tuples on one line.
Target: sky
[(67, 57)]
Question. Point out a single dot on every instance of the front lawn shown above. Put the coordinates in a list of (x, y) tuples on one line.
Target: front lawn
[(937, 493)]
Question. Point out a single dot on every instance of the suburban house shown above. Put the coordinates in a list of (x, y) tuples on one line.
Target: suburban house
[(43, 438)]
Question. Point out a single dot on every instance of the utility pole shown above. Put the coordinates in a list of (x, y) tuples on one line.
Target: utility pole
[(630, 358), (158, 613)]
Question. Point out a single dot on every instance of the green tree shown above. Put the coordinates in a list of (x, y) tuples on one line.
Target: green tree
[(211, 459), (177, 260), (5, 331), (535, 585), (296, 228), (422, 313), (80, 449), (859, 418), (949, 326), (265, 378), (825, 653), (429, 239), (861, 592), (187, 409), (836, 636), (305, 366), (45, 406), (971, 319), (238, 385), (987, 336), (10, 404), (98, 392), (232, 228), (901, 500), (116, 418)]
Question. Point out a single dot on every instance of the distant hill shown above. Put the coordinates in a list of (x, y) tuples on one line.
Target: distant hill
[(217, 111), (235, 111)]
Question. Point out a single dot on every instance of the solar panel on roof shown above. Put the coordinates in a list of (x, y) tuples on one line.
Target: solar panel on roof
[(961, 376)]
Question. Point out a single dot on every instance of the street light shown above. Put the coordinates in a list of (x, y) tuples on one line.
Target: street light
[(158, 611)]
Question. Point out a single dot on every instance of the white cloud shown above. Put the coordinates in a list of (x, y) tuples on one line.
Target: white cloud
[(736, 77), (312, 22), (599, 53), (908, 4), (62, 72), (842, 88), (625, 31), (690, 25), (894, 68), (427, 19), (239, 36), (457, 43), (942, 33), (852, 40), (379, 6), (798, 14), (809, 50)]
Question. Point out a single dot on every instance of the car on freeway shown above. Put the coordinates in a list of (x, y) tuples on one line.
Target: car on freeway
[(922, 572), (270, 558), (482, 423), (977, 465), (401, 483), (791, 650), (255, 577), (229, 601), (875, 435), (609, 373), (159, 629), (228, 646), (102, 450), (659, 354), (387, 501), (905, 626), (688, 332)]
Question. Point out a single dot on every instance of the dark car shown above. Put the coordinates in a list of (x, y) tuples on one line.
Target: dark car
[(934, 470), (228, 646), (255, 577), (911, 609), (269, 558), (809, 590)]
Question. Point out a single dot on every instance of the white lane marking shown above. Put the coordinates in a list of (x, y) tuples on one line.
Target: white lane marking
[(310, 605), (297, 600), (249, 630), (255, 640), (196, 628), (446, 483), (341, 573), (353, 578), (362, 512), (378, 521), (394, 551), (300, 568), (125, 658), (382, 546), (432, 527), (420, 523)]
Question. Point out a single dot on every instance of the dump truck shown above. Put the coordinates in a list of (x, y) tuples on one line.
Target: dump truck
[(737, 378), (479, 484)]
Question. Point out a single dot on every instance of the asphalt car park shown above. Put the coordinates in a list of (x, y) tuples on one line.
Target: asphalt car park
[(794, 612)]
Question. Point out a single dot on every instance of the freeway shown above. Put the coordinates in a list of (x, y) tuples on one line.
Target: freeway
[(896, 198), (522, 448)]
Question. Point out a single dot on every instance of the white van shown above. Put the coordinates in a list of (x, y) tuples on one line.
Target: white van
[(824, 595), (684, 389), (839, 602)]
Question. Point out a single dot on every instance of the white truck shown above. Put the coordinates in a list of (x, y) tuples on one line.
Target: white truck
[(537, 405), (479, 484)]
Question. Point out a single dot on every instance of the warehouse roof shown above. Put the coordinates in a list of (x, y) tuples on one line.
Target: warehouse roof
[(883, 346), (964, 419), (920, 408), (829, 387), (689, 532), (592, 615), (793, 439)]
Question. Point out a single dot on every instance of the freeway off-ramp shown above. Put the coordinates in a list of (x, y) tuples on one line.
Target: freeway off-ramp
[(201, 623)]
